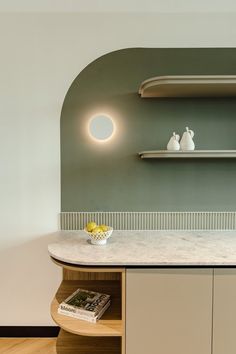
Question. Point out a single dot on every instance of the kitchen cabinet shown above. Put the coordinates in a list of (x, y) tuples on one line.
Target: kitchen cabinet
[(174, 294), (224, 311), (169, 311)]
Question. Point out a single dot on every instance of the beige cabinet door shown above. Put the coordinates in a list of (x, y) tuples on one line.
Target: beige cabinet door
[(224, 313), (169, 311)]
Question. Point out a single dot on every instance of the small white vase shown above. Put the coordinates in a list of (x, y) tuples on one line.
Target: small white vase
[(173, 143), (186, 142)]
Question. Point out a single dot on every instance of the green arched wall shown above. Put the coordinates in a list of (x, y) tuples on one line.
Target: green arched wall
[(111, 177)]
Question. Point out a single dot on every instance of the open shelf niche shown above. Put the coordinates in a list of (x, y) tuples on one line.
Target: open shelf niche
[(110, 328), (109, 325)]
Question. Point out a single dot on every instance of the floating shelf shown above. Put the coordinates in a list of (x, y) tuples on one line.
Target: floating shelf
[(110, 325), (189, 86), (163, 154)]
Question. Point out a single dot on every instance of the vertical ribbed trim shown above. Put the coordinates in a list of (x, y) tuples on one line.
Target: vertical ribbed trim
[(151, 220)]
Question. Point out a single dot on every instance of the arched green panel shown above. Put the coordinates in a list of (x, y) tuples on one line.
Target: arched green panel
[(111, 177)]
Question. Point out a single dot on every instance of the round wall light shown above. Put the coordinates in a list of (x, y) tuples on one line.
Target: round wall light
[(101, 127)]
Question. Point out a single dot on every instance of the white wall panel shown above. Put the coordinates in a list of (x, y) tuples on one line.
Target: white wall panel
[(40, 56)]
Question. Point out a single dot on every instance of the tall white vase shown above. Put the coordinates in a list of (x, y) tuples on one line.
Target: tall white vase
[(186, 142)]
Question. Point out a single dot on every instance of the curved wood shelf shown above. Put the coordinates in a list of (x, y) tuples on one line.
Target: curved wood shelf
[(68, 343), (109, 326), (164, 154), (189, 86)]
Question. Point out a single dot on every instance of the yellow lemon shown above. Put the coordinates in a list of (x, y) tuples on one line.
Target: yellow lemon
[(96, 230), (91, 226), (103, 227)]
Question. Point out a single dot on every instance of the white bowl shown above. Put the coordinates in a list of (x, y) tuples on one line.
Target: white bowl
[(99, 238)]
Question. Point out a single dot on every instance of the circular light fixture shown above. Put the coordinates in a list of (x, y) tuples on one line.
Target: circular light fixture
[(101, 127)]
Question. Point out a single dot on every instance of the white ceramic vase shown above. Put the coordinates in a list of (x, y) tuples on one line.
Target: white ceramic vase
[(186, 142), (173, 143)]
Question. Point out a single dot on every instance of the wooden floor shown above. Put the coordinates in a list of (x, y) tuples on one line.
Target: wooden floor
[(27, 345)]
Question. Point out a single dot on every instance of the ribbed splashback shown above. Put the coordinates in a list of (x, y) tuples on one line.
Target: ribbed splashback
[(151, 220)]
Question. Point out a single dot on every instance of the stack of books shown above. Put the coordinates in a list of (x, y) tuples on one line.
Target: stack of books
[(85, 305)]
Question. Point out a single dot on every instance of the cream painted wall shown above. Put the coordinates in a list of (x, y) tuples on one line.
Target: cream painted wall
[(158, 6), (41, 53)]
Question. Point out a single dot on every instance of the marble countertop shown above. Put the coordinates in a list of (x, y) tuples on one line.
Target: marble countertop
[(147, 248)]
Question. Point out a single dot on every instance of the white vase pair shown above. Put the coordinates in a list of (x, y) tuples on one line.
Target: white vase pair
[(186, 143)]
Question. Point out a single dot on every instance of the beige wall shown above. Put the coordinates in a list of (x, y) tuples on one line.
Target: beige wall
[(41, 54)]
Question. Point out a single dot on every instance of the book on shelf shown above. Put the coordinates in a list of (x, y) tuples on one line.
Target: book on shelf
[(84, 317), (85, 304)]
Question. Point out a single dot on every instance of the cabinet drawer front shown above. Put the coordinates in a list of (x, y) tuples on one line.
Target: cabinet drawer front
[(224, 315), (169, 311)]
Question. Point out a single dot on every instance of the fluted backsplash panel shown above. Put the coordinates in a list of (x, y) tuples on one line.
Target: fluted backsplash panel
[(151, 220)]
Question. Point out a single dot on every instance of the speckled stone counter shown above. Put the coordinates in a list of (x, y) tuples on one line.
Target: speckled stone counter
[(148, 248)]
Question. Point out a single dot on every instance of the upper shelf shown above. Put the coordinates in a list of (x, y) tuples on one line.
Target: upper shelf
[(160, 154), (189, 86)]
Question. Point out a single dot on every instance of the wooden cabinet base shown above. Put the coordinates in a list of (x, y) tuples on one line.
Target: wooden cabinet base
[(107, 336), (68, 343)]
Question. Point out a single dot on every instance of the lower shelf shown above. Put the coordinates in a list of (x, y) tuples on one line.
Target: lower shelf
[(209, 154), (68, 343), (111, 322)]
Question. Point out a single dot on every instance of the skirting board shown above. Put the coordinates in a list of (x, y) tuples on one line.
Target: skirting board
[(29, 331), (151, 220)]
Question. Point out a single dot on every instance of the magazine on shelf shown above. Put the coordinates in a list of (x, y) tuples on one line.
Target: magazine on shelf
[(85, 303), (84, 317)]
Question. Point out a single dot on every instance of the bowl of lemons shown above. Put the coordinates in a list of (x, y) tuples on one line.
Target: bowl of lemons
[(98, 233)]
